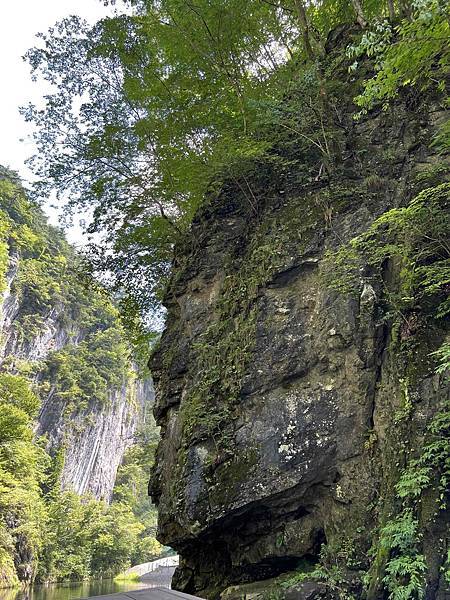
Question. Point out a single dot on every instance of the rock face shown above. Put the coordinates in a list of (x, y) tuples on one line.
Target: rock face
[(94, 437), (276, 395), (95, 441)]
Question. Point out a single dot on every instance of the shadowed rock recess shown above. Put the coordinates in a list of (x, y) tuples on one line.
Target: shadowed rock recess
[(280, 400)]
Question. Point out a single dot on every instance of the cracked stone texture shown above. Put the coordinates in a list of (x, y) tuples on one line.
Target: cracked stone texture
[(310, 454)]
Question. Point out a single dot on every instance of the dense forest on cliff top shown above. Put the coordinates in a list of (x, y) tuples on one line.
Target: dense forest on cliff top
[(49, 528), (174, 122)]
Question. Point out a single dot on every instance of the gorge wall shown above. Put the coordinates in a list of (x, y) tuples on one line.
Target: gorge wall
[(96, 439), (67, 341), (289, 409)]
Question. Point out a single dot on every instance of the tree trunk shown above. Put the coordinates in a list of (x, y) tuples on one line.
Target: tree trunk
[(304, 26), (359, 13), (391, 9)]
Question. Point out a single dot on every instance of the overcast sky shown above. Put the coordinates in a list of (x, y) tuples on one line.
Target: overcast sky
[(20, 20)]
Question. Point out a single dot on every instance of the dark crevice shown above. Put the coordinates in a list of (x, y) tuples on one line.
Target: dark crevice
[(284, 277), (217, 551), (300, 513), (381, 340), (216, 557), (274, 566)]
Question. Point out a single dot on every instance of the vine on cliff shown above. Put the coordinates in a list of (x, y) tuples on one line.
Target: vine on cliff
[(414, 240)]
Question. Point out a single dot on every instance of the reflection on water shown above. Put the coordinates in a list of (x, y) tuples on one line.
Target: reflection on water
[(67, 591)]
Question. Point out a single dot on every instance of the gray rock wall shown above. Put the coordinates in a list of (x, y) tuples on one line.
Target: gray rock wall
[(276, 396), (95, 438)]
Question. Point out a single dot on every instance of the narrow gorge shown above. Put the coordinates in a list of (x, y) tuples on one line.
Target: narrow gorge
[(247, 362), (63, 348)]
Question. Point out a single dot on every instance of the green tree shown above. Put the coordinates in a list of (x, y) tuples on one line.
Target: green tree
[(22, 468), (47, 534), (173, 99), (131, 490), (414, 52)]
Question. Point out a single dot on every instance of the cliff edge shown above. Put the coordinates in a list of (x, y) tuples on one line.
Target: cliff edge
[(291, 405)]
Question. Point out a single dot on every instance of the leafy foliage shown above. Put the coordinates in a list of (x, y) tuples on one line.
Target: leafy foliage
[(85, 537), (50, 284), (400, 537), (415, 239), (432, 464), (22, 470), (86, 373), (405, 571), (412, 54), (443, 355), (176, 98), (415, 52), (153, 109), (142, 139), (4, 255), (328, 571), (131, 490), (45, 533), (15, 391)]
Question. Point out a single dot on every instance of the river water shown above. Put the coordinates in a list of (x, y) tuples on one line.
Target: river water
[(67, 591)]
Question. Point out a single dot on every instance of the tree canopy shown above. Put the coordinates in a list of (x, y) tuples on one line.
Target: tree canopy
[(153, 108)]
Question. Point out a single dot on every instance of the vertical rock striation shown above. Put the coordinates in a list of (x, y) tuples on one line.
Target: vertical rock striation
[(94, 441), (69, 343)]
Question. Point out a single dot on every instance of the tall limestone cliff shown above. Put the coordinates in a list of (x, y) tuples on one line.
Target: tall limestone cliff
[(294, 400), (75, 431), (66, 339)]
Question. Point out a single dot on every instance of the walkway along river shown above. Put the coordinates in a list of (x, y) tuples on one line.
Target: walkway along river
[(155, 574)]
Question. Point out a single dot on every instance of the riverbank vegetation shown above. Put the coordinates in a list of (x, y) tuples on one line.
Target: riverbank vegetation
[(47, 533)]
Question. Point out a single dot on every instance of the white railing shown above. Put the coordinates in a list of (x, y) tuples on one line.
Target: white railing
[(154, 565)]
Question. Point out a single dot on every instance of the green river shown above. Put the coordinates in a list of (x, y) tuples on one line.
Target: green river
[(67, 591)]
